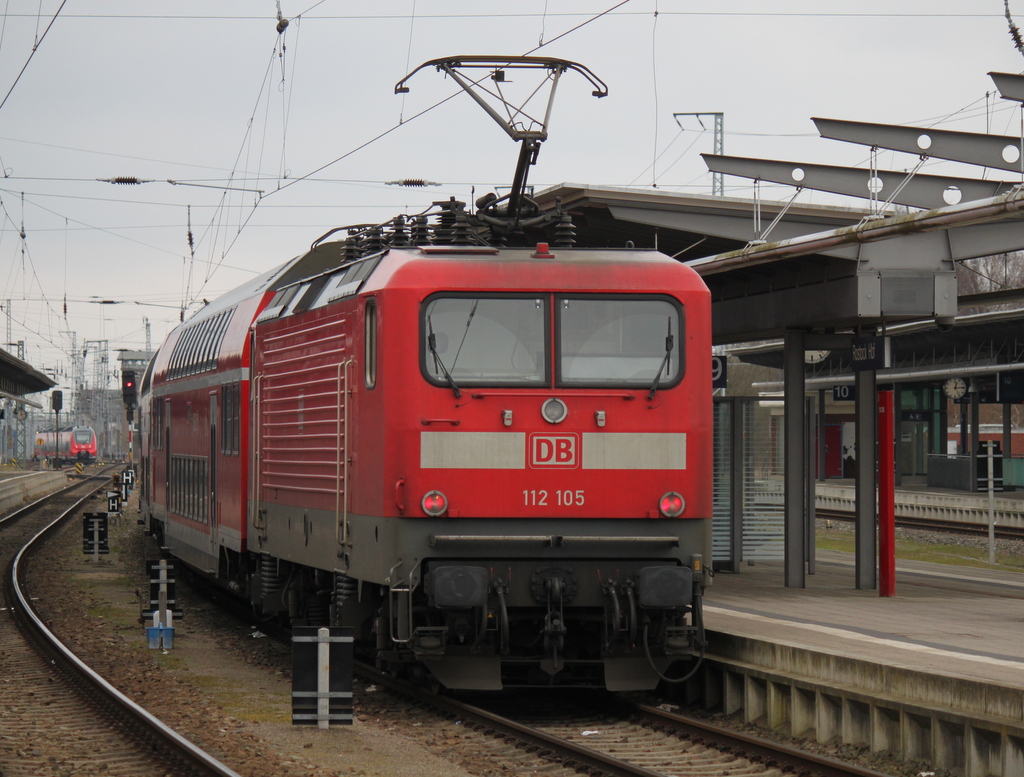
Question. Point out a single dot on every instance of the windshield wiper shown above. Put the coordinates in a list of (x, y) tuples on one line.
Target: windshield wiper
[(669, 342), (469, 321), (438, 364)]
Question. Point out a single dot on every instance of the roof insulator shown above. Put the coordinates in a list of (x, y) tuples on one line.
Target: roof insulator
[(565, 232), (420, 231)]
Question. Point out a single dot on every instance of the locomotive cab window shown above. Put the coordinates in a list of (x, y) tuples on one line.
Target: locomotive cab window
[(470, 340), (624, 341)]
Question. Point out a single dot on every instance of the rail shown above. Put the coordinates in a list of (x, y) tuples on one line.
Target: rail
[(124, 708), (969, 509), (593, 761)]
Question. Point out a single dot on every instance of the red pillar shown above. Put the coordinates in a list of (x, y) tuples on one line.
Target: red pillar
[(886, 495)]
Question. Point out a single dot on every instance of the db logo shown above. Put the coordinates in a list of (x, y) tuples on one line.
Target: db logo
[(553, 450)]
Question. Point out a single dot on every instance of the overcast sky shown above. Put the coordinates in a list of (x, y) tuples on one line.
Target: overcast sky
[(208, 94)]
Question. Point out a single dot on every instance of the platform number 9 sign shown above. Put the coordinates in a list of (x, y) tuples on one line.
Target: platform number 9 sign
[(719, 376)]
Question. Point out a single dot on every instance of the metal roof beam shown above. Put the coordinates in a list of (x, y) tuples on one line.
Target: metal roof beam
[(735, 227), (1001, 152), (1010, 85), (959, 221), (921, 191)]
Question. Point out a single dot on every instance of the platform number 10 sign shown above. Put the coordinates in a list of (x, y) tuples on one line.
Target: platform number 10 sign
[(844, 393)]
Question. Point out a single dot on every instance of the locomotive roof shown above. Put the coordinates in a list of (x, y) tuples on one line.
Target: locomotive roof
[(481, 267), (214, 339), (583, 269), (322, 258)]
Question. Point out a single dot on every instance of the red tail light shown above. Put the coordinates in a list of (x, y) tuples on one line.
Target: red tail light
[(434, 503), (672, 505)]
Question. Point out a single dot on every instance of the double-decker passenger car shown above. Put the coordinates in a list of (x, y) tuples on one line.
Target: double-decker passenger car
[(493, 464)]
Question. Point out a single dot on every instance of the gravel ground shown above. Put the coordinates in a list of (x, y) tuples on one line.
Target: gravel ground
[(225, 689), (228, 689)]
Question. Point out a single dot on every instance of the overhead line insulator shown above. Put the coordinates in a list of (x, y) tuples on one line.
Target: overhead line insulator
[(412, 182), (124, 180)]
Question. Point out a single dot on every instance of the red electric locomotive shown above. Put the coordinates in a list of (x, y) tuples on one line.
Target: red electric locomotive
[(494, 464)]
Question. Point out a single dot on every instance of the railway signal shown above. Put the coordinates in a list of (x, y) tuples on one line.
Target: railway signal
[(130, 396), (129, 390), (56, 403)]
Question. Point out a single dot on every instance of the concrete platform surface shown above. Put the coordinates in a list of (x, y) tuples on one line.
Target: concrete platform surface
[(953, 621)]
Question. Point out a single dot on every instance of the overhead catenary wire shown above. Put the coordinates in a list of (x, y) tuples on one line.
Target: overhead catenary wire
[(439, 103), (286, 104), (379, 136), (408, 57), (239, 206), (654, 81), (35, 48), (159, 17)]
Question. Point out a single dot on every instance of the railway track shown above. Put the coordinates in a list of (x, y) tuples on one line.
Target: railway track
[(60, 717), (600, 734), (593, 733), (930, 524)]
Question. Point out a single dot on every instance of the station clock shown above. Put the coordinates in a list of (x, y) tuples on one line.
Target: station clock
[(955, 388)]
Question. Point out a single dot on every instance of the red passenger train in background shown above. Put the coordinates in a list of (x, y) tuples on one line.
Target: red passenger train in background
[(72, 445), (490, 459)]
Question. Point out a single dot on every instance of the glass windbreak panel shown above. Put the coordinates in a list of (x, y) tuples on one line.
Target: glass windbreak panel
[(623, 341), (484, 341)]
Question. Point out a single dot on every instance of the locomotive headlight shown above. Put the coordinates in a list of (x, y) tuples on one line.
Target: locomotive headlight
[(434, 503), (672, 505), (554, 410)]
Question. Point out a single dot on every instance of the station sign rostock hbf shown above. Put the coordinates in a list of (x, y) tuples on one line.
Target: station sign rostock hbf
[(871, 353)]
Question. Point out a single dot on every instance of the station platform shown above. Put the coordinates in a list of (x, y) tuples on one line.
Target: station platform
[(959, 621), (18, 487), (934, 673)]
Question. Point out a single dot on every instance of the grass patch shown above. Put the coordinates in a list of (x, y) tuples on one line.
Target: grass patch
[(911, 550), (106, 612), (244, 705), (207, 682), (168, 660)]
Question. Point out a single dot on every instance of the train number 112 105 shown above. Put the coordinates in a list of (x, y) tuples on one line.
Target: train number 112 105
[(566, 498)]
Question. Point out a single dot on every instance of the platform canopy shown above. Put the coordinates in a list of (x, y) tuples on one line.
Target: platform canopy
[(978, 344), (780, 266), (18, 378), (818, 276)]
